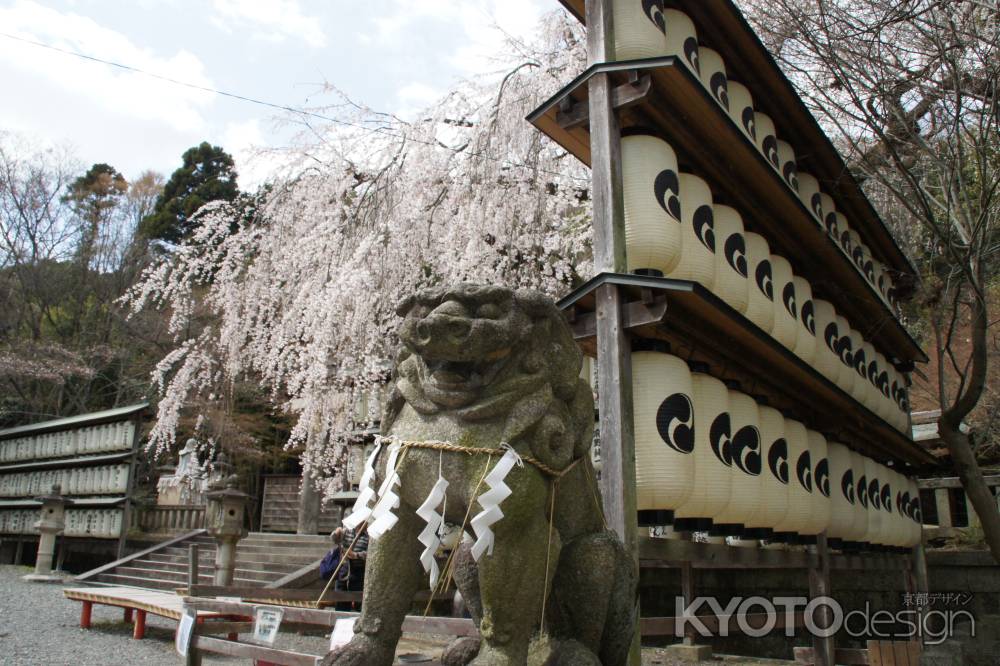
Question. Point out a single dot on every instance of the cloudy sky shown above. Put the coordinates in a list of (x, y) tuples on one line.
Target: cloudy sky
[(394, 55)]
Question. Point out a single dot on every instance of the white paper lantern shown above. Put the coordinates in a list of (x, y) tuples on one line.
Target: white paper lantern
[(830, 215), (760, 308), (664, 428), (713, 75), (741, 109), (856, 252), (731, 283), (845, 352), (639, 29), (713, 465), (682, 39), (827, 361), (819, 519), (745, 449), (767, 140), (651, 192), (841, 492), (697, 262), (876, 524), (786, 322), (774, 469), (859, 361), (870, 392), (789, 168), (915, 534), (805, 333), (882, 386), (883, 281), (798, 515), (859, 528), (845, 237), (810, 196)]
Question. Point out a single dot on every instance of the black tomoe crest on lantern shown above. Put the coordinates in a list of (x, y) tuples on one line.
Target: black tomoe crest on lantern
[(720, 436), (832, 336), (790, 172), (862, 491), (770, 145), (858, 255), (874, 494), (803, 470), (720, 88), (860, 362), (788, 298), (746, 450), (845, 241), (764, 281), (817, 205), (823, 477), (845, 350), (870, 271), (809, 317), (883, 383), (749, 122), (654, 10), (691, 53), (777, 459), (668, 190), (736, 253), (831, 225), (847, 486), (675, 422), (704, 226), (885, 497)]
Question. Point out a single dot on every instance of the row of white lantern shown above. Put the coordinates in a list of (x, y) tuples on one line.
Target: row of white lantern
[(93, 439), (716, 459), (673, 227), (99, 523), (19, 521), (106, 479), (645, 29)]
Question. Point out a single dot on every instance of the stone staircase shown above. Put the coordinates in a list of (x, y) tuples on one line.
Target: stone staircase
[(262, 559)]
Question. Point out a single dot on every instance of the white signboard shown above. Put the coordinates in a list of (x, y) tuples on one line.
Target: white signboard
[(343, 632), (266, 624), (184, 630)]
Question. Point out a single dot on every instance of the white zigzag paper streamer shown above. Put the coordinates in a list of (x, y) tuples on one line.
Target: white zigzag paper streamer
[(490, 501), (362, 510), (382, 518), (435, 521)]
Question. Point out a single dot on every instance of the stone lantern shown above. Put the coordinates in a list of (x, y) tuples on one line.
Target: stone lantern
[(51, 523), (225, 518)]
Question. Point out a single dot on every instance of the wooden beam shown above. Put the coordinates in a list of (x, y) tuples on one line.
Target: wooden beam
[(992, 480), (846, 656), (256, 652), (819, 586), (634, 315), (667, 626)]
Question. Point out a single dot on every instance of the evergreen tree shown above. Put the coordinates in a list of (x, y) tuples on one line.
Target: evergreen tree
[(208, 174)]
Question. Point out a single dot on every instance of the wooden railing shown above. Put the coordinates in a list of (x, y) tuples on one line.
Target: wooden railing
[(951, 505), (168, 518)]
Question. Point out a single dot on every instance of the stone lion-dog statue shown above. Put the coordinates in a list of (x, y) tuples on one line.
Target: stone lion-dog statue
[(485, 366)]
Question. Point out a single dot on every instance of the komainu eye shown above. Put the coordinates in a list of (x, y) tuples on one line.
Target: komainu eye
[(489, 311)]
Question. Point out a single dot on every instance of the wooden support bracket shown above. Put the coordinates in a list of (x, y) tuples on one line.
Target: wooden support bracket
[(575, 114)]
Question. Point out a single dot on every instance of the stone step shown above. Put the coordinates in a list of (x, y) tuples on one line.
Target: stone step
[(204, 576), (251, 560), (278, 569), (160, 583)]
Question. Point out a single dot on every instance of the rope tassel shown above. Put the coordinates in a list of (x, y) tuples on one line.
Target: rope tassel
[(490, 501), (429, 537), (361, 510)]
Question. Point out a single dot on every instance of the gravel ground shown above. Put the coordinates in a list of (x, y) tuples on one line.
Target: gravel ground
[(39, 626)]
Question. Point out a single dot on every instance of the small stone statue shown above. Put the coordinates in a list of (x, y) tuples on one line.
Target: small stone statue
[(484, 368)]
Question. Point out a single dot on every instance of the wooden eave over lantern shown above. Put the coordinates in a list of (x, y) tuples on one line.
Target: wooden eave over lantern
[(702, 327), (748, 61)]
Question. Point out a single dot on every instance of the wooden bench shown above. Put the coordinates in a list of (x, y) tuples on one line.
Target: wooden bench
[(137, 601)]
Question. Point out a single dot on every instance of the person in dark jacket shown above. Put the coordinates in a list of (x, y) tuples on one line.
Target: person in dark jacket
[(357, 557)]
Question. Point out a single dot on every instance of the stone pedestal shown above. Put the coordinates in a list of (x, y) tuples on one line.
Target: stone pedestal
[(309, 507), (691, 654), (49, 525)]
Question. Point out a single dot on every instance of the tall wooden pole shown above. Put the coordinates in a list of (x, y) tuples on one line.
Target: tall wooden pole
[(614, 362)]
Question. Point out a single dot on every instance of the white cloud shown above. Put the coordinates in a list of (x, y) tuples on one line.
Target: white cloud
[(245, 141), (480, 27), (270, 20), (415, 97), (117, 91)]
